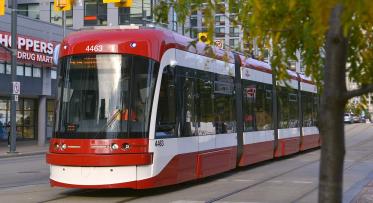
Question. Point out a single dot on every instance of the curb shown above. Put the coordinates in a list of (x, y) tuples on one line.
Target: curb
[(4, 156)]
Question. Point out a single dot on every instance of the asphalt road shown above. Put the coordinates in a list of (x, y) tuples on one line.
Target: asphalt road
[(292, 179)]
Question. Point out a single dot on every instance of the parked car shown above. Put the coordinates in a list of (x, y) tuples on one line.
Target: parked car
[(356, 119), (362, 119), (348, 118)]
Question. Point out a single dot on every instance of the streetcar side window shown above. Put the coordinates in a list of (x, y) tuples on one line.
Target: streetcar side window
[(186, 101), (224, 105), (166, 114), (248, 105), (288, 108), (309, 109), (257, 106), (263, 107), (315, 112), (205, 103)]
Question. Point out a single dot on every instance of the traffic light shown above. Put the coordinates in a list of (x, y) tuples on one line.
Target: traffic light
[(2, 7), (120, 3), (62, 5), (203, 37)]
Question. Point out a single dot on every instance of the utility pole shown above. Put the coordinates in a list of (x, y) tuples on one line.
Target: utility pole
[(14, 100), (64, 23)]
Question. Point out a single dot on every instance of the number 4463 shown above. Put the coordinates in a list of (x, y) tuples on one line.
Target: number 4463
[(94, 48)]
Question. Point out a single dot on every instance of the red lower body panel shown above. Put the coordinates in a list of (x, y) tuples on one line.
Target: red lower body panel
[(211, 163), (257, 152), (181, 168), (310, 141), (287, 146)]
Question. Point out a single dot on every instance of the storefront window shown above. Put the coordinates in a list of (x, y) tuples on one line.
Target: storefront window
[(36, 72), (20, 70), (2, 68), (95, 13), (4, 117), (50, 113), (50, 117), (28, 71), (53, 74), (28, 121), (25, 116), (8, 69), (56, 17)]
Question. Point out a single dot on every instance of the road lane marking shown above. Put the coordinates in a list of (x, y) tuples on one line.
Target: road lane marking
[(302, 182), (275, 181), (243, 180)]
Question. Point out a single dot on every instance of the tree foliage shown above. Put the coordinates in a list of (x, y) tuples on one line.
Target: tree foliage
[(285, 26)]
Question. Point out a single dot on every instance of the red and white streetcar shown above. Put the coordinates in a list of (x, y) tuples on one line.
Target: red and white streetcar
[(142, 108)]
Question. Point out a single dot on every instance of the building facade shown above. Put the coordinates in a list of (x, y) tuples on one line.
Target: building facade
[(35, 72), (86, 13)]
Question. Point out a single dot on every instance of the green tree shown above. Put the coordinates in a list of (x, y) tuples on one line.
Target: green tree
[(335, 39)]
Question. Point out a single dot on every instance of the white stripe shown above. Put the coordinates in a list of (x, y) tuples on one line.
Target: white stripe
[(310, 131), (258, 136), (288, 133), (255, 75), (292, 83), (308, 87), (198, 62), (92, 175)]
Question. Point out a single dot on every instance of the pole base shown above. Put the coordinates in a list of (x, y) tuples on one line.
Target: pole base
[(12, 152)]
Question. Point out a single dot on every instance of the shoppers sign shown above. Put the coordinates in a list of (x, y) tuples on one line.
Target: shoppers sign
[(29, 48)]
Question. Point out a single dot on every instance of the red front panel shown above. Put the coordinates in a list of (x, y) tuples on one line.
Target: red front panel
[(97, 146), (99, 159), (98, 152), (257, 152), (287, 146)]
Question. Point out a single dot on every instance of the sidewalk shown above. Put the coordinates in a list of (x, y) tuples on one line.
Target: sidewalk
[(23, 148)]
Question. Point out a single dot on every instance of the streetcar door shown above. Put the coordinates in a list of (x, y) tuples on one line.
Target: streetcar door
[(187, 125)]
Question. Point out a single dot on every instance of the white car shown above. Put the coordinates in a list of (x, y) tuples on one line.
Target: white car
[(348, 118)]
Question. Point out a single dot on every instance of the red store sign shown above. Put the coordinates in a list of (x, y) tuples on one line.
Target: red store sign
[(30, 49)]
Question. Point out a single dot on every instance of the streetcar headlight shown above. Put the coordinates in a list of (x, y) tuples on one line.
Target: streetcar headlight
[(126, 146), (64, 146), (133, 45), (56, 146), (115, 146)]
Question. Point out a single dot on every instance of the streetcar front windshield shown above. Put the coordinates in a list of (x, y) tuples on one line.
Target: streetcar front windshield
[(106, 96)]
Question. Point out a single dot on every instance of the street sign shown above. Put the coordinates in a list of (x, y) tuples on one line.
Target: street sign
[(16, 88), (219, 43), (251, 92), (16, 97), (202, 37)]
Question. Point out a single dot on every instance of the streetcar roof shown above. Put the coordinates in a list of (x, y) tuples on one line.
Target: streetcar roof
[(151, 43)]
